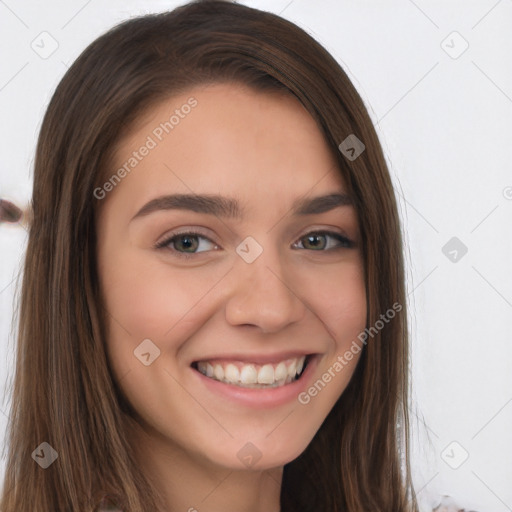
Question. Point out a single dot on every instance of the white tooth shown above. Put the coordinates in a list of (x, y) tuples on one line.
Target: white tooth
[(248, 375), (201, 366), (292, 369), (281, 372), (209, 370), (231, 373), (300, 364), (266, 374), (218, 372)]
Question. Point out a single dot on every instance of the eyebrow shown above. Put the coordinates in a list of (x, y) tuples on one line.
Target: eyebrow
[(227, 207)]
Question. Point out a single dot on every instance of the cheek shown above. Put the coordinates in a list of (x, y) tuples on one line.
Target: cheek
[(152, 301), (337, 296)]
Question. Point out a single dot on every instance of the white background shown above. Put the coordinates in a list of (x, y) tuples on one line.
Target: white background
[(445, 124)]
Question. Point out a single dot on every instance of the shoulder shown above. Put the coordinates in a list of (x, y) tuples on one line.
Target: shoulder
[(443, 503)]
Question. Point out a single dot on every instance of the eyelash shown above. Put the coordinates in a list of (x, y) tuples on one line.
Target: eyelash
[(345, 242)]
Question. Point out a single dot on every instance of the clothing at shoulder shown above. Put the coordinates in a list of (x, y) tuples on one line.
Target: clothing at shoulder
[(443, 504)]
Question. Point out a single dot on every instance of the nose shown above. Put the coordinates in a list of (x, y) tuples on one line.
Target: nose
[(261, 296)]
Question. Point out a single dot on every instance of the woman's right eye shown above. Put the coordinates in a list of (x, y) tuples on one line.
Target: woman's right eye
[(186, 244)]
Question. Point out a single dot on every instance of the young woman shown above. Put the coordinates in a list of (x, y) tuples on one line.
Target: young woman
[(213, 310)]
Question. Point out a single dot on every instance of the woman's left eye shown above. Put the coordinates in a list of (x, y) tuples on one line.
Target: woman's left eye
[(186, 244), (323, 241)]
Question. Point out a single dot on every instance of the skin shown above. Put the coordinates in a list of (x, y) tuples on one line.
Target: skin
[(266, 151)]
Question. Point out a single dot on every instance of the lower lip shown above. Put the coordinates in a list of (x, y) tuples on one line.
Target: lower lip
[(261, 398)]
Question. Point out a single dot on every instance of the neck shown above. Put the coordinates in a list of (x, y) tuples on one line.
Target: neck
[(191, 483)]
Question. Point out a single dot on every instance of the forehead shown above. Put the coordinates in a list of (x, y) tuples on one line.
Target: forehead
[(227, 138)]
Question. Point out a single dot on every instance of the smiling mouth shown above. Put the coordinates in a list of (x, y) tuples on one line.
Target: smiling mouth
[(250, 375)]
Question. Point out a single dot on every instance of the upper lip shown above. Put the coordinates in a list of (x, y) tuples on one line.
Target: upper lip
[(256, 358)]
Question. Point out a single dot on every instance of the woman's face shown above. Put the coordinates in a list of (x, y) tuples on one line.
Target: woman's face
[(271, 276)]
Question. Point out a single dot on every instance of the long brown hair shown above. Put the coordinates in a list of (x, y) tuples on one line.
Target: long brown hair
[(64, 393)]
